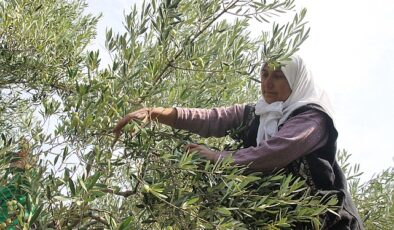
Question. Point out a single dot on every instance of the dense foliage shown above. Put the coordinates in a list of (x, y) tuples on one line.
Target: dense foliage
[(374, 198), (59, 164)]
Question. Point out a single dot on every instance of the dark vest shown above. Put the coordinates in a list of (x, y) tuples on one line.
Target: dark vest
[(319, 168)]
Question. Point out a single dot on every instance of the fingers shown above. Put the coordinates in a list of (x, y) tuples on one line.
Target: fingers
[(196, 148), (117, 131), (189, 147), (202, 150), (121, 123), (136, 115)]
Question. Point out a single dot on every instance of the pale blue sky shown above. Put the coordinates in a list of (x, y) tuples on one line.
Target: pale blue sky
[(351, 53)]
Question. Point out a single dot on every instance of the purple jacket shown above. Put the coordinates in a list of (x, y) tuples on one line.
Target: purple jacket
[(305, 145), (299, 136)]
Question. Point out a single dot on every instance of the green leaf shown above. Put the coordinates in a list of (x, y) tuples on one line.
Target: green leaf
[(72, 186), (91, 181), (192, 200), (224, 211), (82, 183), (65, 153), (127, 223), (36, 214)]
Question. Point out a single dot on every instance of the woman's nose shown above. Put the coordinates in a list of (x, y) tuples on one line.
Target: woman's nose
[(268, 81)]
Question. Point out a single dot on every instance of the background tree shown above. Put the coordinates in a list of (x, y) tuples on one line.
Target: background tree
[(42, 47), (373, 198), (173, 53)]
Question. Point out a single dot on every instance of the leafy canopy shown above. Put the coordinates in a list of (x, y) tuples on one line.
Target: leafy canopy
[(63, 106)]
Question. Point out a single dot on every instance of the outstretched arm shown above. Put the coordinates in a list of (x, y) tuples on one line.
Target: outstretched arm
[(215, 122), (205, 122)]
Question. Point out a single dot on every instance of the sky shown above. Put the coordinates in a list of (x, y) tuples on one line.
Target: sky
[(351, 54)]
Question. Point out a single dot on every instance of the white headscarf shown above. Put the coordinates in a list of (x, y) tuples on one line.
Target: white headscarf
[(304, 91)]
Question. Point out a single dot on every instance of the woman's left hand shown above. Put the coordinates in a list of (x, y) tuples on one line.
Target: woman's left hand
[(202, 151)]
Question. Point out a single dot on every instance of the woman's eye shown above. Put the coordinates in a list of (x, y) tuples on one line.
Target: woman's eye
[(279, 76)]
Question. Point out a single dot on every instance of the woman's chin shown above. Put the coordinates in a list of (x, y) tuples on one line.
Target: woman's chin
[(270, 100)]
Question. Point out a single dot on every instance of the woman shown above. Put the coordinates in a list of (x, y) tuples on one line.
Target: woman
[(290, 127)]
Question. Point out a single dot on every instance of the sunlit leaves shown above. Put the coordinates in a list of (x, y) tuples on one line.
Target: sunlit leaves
[(37, 46), (177, 53), (285, 40), (64, 102), (51, 107), (374, 198)]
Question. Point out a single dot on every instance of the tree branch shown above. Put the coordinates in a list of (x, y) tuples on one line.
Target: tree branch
[(126, 193), (97, 218), (192, 38)]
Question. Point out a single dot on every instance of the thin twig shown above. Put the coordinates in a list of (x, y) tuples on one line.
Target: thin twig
[(126, 193), (159, 77)]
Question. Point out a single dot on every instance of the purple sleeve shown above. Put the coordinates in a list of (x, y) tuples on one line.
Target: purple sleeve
[(300, 135), (210, 122)]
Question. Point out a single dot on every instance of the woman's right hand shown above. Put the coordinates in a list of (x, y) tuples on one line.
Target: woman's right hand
[(141, 114)]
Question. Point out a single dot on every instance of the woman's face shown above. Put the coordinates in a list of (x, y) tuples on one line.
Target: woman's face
[(274, 85)]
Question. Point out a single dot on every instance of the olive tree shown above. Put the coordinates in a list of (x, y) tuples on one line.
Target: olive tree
[(69, 170), (42, 45), (374, 198)]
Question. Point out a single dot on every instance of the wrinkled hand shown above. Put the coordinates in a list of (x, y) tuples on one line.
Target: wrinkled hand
[(141, 114), (202, 151)]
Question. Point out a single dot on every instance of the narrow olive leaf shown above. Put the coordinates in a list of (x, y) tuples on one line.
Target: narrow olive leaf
[(143, 30), (143, 12), (3, 138), (126, 224), (36, 214), (65, 153), (71, 186), (192, 201), (48, 192), (109, 35), (56, 159), (82, 183), (264, 19), (9, 142), (91, 181), (223, 210)]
